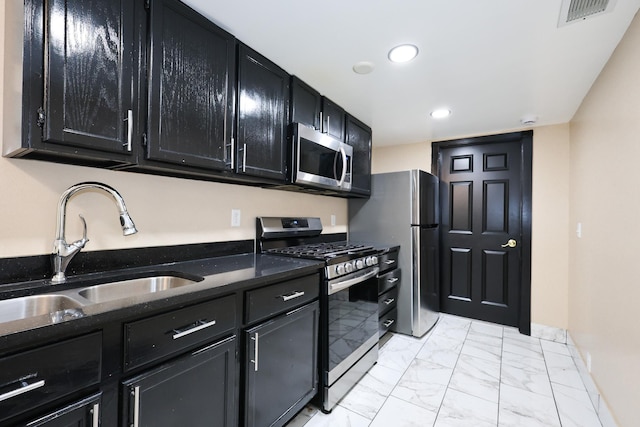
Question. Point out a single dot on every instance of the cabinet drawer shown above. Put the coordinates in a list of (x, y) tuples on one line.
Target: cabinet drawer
[(270, 300), (389, 280), (159, 336), (45, 374), (388, 300), (388, 261), (387, 322)]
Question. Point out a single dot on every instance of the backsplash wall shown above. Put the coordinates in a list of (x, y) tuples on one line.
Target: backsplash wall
[(167, 211)]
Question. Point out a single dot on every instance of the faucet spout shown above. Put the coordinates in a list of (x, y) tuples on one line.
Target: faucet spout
[(63, 252)]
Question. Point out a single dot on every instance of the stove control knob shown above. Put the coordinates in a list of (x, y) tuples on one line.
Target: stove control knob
[(340, 269), (349, 267), (369, 261), (375, 260), (359, 264)]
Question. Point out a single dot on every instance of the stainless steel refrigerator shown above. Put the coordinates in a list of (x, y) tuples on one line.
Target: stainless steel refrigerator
[(403, 210)]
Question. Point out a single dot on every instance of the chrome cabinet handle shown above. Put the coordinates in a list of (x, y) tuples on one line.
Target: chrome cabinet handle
[(129, 129), (389, 301), (328, 124), (244, 157), (510, 244), (232, 152), (255, 352), (294, 295), (136, 406), (390, 261), (95, 412), (393, 280), (200, 325), (388, 323), (321, 123), (24, 388)]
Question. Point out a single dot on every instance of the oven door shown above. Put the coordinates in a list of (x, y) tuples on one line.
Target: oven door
[(353, 326), (319, 160)]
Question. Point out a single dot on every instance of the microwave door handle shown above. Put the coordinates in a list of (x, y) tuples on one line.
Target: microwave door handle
[(344, 167)]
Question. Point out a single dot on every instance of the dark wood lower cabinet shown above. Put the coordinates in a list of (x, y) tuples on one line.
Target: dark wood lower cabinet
[(281, 367), (182, 366), (85, 413), (197, 389)]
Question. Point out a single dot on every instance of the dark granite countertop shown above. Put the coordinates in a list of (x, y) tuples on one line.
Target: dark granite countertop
[(221, 275)]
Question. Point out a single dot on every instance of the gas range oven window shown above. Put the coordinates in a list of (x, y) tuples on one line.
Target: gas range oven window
[(353, 320)]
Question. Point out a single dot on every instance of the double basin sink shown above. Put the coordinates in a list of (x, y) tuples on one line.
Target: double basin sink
[(68, 304)]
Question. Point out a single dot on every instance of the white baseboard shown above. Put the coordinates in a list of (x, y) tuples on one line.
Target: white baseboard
[(549, 333)]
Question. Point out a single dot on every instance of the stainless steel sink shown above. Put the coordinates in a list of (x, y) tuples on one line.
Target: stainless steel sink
[(35, 305), (129, 288)]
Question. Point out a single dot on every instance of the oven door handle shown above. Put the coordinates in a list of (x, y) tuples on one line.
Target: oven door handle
[(337, 287)]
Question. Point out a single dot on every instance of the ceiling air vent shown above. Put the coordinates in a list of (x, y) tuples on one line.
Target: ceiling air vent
[(579, 10)]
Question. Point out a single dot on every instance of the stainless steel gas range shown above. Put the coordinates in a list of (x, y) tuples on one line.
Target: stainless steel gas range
[(348, 298)]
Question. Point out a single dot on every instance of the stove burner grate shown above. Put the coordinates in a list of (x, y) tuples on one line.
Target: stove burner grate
[(321, 250)]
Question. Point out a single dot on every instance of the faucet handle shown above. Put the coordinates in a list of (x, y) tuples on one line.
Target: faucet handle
[(80, 243), (84, 227)]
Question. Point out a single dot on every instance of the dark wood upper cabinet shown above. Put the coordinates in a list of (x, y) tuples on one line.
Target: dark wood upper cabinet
[(306, 103), (153, 86), (263, 103), (78, 74), (333, 117), (191, 88), (358, 135)]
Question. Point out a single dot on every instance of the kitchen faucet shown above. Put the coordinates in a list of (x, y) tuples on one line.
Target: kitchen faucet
[(63, 252)]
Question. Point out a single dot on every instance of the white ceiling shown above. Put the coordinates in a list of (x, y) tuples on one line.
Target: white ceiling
[(490, 61)]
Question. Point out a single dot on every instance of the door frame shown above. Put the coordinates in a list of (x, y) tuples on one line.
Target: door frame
[(525, 139)]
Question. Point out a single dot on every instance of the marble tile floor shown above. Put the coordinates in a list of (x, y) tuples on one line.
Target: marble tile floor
[(464, 373)]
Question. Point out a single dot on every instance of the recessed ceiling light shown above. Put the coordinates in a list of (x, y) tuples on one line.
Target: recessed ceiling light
[(363, 67), (403, 53), (440, 113)]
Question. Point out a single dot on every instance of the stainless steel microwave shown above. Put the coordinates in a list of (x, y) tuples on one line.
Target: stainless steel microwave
[(319, 160)]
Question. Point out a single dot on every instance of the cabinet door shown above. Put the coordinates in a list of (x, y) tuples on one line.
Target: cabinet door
[(191, 88), (281, 367), (263, 102), (85, 413), (358, 135), (332, 119), (194, 390), (305, 104), (88, 75)]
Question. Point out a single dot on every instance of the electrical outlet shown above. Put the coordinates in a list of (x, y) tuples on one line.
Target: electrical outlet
[(235, 217), (333, 220), (579, 230), (588, 362)]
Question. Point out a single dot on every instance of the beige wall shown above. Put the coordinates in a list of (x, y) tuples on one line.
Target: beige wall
[(550, 216), (550, 226), (167, 211), (604, 265), (401, 157)]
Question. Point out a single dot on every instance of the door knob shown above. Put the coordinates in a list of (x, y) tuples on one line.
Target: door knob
[(510, 244)]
